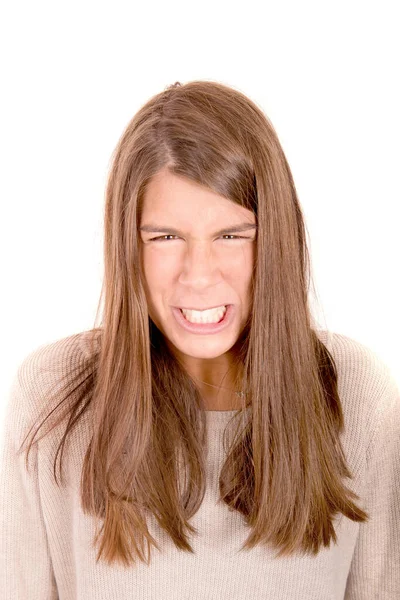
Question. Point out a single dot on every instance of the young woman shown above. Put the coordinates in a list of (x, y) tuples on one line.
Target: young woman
[(212, 441)]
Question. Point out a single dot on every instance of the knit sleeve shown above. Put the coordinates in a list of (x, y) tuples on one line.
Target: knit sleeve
[(375, 568), (25, 563)]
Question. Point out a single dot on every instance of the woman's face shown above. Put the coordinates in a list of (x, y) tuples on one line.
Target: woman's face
[(195, 265)]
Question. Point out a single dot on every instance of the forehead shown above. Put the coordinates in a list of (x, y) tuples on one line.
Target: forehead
[(178, 198)]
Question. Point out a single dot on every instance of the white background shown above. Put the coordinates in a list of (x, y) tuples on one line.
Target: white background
[(74, 73)]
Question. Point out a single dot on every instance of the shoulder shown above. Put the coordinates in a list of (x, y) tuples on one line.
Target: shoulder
[(360, 368), (358, 364), (366, 385), (42, 376), (63, 351), (55, 359)]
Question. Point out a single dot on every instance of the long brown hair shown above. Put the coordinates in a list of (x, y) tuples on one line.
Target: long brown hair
[(284, 471)]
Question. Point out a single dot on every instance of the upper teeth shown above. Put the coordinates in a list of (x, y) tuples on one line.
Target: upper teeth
[(213, 314)]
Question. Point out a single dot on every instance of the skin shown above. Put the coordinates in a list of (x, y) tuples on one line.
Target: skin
[(197, 269)]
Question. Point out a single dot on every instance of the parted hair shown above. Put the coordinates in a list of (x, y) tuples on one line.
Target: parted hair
[(285, 469)]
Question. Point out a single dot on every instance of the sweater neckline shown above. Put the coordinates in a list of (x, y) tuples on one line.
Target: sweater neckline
[(220, 416)]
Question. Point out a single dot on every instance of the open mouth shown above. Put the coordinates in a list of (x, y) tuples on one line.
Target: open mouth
[(206, 316), (222, 321)]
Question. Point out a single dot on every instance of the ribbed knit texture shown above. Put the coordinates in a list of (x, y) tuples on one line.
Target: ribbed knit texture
[(46, 549)]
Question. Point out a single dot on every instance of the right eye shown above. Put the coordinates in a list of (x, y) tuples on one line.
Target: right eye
[(160, 238)]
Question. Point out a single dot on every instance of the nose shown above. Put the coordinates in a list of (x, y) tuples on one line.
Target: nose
[(200, 266)]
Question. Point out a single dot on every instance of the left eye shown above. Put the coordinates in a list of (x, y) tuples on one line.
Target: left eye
[(161, 238)]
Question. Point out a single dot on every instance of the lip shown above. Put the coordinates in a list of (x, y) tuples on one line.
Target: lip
[(205, 328), (208, 307)]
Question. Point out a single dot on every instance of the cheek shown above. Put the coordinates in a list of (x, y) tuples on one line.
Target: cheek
[(242, 261), (158, 272)]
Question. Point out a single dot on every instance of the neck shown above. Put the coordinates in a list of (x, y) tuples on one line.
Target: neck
[(221, 399)]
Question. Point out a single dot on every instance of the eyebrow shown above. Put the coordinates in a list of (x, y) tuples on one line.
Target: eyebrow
[(153, 228)]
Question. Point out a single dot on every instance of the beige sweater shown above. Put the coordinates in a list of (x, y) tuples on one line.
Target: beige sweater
[(46, 541)]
